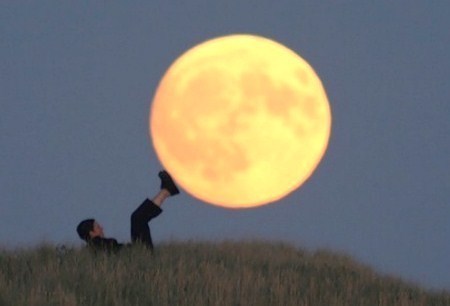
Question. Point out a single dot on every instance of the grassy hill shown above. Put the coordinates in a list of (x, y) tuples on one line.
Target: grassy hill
[(191, 273)]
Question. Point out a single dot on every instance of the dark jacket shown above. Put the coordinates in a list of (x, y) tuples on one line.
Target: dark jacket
[(105, 244)]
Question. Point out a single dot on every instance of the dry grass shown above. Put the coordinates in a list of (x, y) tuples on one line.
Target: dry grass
[(228, 273)]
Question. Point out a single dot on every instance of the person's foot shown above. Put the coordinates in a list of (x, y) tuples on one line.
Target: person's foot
[(167, 183)]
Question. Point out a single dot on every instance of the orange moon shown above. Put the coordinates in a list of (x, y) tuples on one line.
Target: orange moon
[(240, 121)]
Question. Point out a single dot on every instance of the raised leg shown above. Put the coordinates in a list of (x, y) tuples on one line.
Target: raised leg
[(140, 230)]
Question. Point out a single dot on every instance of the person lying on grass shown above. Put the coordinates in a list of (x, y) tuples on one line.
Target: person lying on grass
[(91, 231)]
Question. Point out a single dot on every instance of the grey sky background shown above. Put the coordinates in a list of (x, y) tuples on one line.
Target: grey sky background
[(76, 84)]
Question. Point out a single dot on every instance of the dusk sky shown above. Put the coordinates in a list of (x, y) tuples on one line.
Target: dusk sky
[(76, 85)]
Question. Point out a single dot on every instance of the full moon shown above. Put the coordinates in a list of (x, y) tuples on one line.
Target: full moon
[(240, 121)]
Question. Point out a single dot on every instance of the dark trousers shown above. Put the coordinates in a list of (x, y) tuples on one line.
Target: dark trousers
[(140, 231)]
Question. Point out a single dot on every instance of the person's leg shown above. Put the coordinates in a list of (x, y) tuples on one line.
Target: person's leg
[(140, 230), (161, 197)]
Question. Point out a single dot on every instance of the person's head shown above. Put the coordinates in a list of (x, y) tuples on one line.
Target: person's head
[(88, 229)]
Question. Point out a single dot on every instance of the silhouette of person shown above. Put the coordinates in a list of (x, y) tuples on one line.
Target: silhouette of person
[(92, 232)]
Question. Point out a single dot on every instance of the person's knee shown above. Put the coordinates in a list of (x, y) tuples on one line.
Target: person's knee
[(134, 218), (137, 219)]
